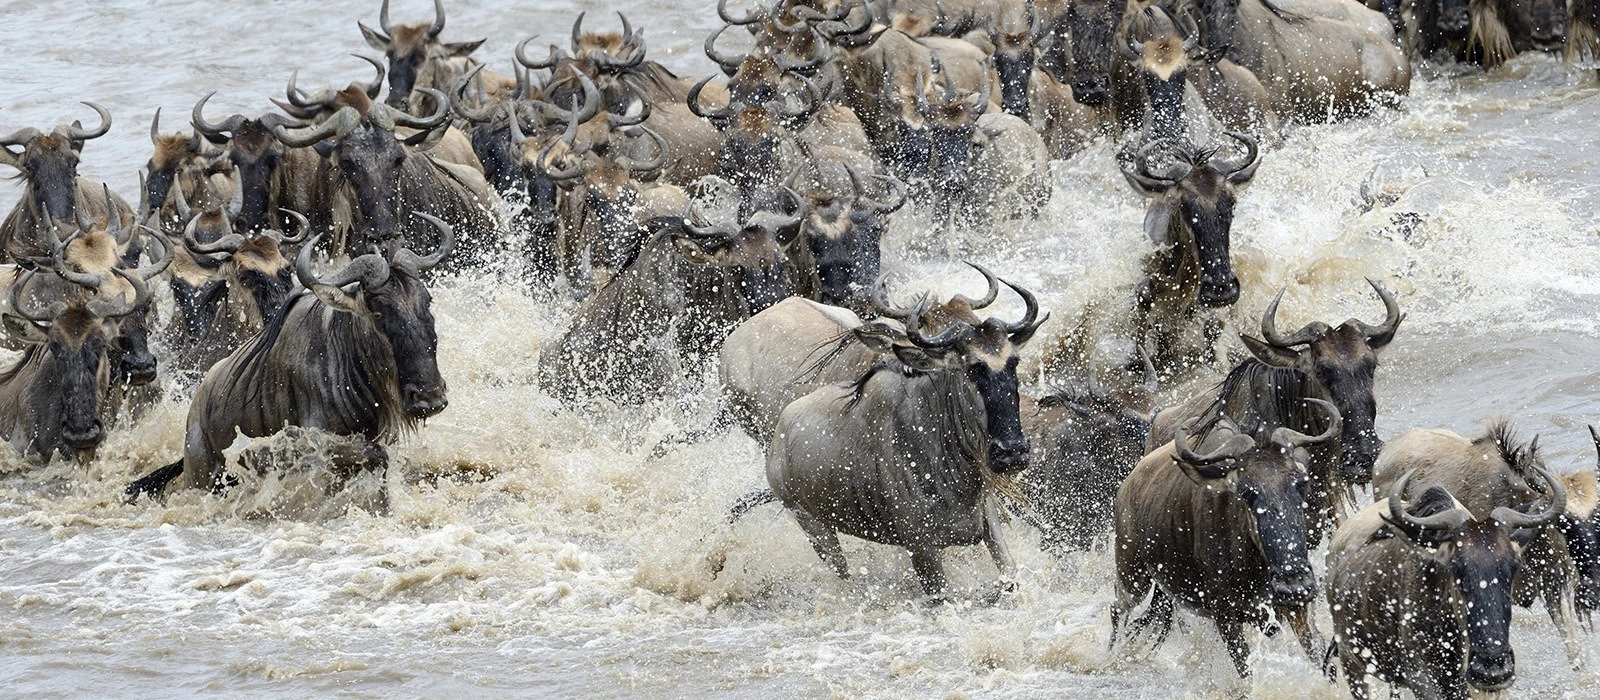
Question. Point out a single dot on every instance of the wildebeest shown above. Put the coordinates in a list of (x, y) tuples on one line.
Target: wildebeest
[(1495, 470), (390, 181), (51, 399), (182, 163), (49, 167), (271, 177), (1489, 32), (843, 237), (1267, 391), (659, 319), (355, 354), (966, 146), (419, 59), (1166, 56), (908, 453), (1222, 532), (1421, 591), (1318, 59)]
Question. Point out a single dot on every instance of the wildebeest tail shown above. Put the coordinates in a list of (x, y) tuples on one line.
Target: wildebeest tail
[(154, 482), (749, 501)]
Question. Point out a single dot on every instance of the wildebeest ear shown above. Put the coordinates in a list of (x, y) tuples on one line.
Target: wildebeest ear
[(9, 157), (19, 327), (461, 49), (878, 337), (424, 140), (1271, 356), (375, 38), (916, 358), (700, 251)]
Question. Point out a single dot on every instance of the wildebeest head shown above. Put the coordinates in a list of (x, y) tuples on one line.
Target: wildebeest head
[(409, 47), (1269, 477), (1162, 59), (254, 154), (951, 122), (1203, 190), (177, 159), (754, 254), (252, 261), (1093, 26), (1340, 363), (1581, 530), (359, 140), (87, 257), (49, 162), (1451, 18), (984, 352), (845, 237), (391, 295), (1218, 21), (1013, 63), (1547, 24), (74, 338), (1481, 561)]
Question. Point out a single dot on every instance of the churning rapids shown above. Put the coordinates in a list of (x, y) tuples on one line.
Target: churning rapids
[(533, 550)]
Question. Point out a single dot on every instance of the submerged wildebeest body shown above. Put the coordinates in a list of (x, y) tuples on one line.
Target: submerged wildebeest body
[(1496, 470), (907, 454), (1421, 592), (354, 355), (1488, 32), (51, 398), (1267, 392), (1223, 533), (661, 318), (1084, 446)]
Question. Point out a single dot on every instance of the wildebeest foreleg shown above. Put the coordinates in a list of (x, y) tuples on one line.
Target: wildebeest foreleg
[(154, 482), (930, 571), (1355, 675), (1238, 650), (997, 545), (1305, 629), (1564, 614), (825, 540)]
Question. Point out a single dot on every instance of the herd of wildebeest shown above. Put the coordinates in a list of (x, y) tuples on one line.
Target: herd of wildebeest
[(902, 423)]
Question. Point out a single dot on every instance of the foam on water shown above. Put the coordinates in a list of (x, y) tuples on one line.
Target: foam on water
[(530, 548)]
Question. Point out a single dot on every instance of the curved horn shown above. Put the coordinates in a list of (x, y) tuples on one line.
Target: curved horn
[(227, 244), (718, 117), (750, 17), (651, 165), (335, 126), (957, 332), (299, 98), (1438, 522), (376, 86), (981, 101), (77, 133), (853, 32), (577, 34), (518, 138), (438, 19), (880, 302), (1511, 517), (729, 63), (631, 117), (542, 162), (591, 103), (1190, 33), (1391, 317), (988, 296), (439, 116), (795, 28), (302, 226), (20, 137), (155, 128), (383, 18), (794, 218), (1251, 160), (1210, 465), (197, 119), (160, 258), (141, 296), (40, 320), (420, 263), (458, 100), (1269, 328), (819, 55), (1291, 438), (808, 106), (1030, 315), (522, 55), (896, 199), (371, 270)]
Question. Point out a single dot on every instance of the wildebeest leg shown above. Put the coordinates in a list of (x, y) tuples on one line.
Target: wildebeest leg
[(1158, 617), (1305, 629), (997, 546), (1355, 674), (1132, 586), (376, 459), (825, 540), (1233, 635), (1564, 614), (930, 572), (154, 482)]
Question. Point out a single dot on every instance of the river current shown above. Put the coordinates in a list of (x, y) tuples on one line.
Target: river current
[(534, 550)]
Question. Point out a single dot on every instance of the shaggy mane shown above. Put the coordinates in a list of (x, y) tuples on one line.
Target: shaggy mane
[(1512, 449), (1489, 34)]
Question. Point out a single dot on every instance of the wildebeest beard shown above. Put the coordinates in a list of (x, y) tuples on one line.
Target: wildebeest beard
[(51, 168), (1015, 70)]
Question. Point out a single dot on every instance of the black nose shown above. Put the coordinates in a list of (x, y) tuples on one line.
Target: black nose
[(1091, 90), (142, 372), (1454, 23), (1299, 587), (1489, 673), (424, 403), (1355, 465), (1006, 456), (84, 438), (1219, 292)]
